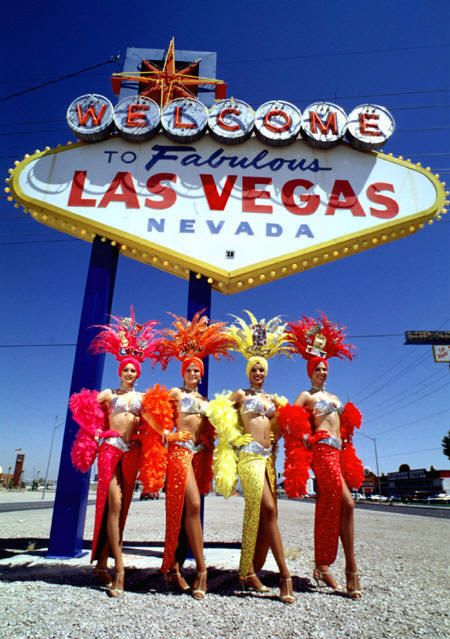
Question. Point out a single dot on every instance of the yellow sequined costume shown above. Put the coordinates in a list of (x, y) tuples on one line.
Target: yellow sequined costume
[(251, 463)]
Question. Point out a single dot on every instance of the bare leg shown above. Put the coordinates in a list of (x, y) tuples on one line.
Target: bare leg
[(193, 527), (347, 535), (261, 548), (113, 529)]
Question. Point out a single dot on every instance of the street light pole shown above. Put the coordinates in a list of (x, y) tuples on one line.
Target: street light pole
[(374, 440), (55, 428)]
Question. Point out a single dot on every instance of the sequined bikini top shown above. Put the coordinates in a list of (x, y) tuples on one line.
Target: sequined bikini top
[(126, 404), (192, 405), (326, 407), (254, 404)]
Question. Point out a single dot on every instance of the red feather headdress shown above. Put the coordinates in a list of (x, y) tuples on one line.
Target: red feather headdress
[(198, 338), (319, 337), (124, 337)]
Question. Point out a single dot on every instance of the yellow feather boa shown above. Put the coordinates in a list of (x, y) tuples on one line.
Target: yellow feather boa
[(224, 417)]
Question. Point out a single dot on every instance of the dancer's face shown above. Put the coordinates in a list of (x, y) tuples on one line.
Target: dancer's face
[(192, 376), (319, 376), (128, 375), (257, 375)]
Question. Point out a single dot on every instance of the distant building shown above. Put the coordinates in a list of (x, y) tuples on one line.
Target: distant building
[(407, 482)]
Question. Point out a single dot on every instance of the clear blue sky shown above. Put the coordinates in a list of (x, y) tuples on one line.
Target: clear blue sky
[(393, 53)]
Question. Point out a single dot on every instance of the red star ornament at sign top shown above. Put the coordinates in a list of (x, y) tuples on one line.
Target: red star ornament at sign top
[(163, 85)]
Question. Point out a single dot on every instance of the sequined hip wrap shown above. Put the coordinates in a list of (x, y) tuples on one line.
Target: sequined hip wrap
[(114, 457), (252, 470), (326, 465)]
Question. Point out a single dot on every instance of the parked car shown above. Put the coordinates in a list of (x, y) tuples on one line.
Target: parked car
[(394, 498), (378, 498), (441, 498), (145, 496)]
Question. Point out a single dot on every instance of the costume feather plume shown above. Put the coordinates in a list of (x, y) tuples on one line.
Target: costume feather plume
[(302, 333), (124, 337), (198, 337), (258, 337)]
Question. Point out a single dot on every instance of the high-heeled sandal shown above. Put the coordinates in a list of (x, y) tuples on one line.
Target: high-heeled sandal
[(356, 592), (199, 592), (114, 590), (103, 577), (319, 577), (176, 581), (247, 586), (288, 598)]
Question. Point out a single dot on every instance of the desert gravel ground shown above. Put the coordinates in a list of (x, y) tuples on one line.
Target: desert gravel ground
[(403, 560)]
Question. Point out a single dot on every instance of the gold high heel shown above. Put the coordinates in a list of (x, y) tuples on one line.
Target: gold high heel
[(319, 577), (103, 577), (252, 587), (199, 592), (114, 590), (354, 593), (288, 598), (176, 581)]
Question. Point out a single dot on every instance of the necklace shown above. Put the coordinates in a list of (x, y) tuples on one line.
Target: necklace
[(123, 391), (252, 389), (317, 389), (186, 389)]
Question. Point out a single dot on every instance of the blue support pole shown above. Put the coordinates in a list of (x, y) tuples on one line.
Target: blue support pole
[(199, 298), (69, 512)]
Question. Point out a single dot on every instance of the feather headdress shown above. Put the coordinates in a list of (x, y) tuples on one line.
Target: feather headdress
[(258, 337), (197, 338), (125, 338), (318, 337)]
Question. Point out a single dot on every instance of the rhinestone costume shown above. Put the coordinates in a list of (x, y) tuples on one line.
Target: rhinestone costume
[(113, 458), (252, 470), (181, 457)]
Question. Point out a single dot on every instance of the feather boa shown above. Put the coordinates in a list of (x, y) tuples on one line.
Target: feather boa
[(222, 414), (89, 415), (158, 411), (351, 418), (352, 466), (295, 424)]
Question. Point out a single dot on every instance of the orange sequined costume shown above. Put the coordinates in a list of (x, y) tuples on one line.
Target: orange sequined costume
[(181, 456), (189, 342)]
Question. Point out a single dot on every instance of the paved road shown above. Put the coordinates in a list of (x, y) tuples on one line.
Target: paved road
[(440, 512), (30, 505)]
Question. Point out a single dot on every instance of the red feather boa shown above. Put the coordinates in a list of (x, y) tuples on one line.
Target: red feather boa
[(352, 466), (294, 423)]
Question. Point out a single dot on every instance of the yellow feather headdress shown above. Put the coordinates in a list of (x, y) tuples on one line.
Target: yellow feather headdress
[(259, 338)]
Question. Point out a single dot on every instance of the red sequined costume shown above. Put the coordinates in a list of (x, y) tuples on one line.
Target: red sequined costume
[(131, 343), (332, 459)]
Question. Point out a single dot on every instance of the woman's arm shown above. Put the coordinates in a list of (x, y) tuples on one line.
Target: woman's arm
[(105, 396), (302, 399), (237, 397)]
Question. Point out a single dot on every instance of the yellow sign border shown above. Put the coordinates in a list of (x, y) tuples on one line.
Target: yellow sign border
[(221, 280)]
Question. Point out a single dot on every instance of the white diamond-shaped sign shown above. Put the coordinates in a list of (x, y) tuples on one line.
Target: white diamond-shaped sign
[(240, 215)]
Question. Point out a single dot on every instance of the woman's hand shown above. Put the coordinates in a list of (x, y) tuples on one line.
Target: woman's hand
[(179, 436), (242, 440)]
